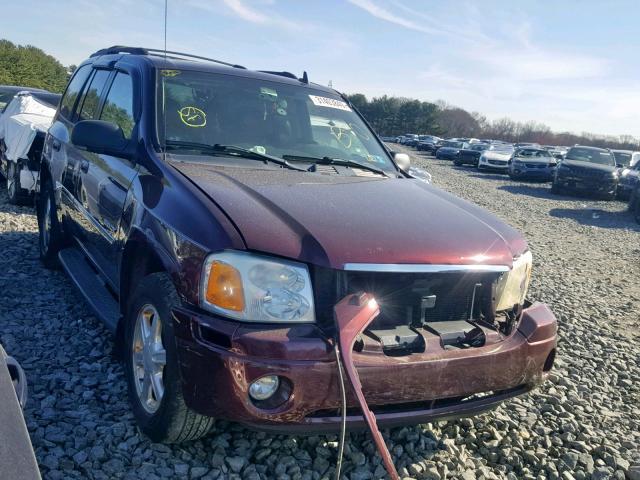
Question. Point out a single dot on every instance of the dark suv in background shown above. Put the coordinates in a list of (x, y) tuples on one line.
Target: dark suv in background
[(589, 170), (216, 218)]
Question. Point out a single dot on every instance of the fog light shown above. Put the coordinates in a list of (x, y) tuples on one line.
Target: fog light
[(264, 387)]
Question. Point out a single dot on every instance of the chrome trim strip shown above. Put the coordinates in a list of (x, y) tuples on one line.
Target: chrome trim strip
[(422, 268)]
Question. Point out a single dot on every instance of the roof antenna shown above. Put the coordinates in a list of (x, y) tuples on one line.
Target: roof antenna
[(305, 78)]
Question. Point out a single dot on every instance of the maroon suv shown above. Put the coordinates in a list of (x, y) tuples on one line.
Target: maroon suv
[(215, 217)]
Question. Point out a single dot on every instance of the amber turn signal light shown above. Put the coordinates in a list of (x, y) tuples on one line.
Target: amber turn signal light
[(224, 288)]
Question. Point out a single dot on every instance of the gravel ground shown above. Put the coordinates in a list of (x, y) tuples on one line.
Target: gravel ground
[(584, 423)]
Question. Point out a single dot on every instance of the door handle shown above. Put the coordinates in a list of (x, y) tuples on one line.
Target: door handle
[(84, 166), (56, 145)]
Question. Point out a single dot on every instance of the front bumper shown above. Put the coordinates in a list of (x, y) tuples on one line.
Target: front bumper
[(219, 359), (591, 184), (537, 173), (493, 164)]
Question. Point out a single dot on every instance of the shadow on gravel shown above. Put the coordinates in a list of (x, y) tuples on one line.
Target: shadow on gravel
[(536, 190), (490, 175), (595, 217)]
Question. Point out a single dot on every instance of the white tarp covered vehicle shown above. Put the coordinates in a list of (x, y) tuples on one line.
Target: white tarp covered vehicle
[(23, 126)]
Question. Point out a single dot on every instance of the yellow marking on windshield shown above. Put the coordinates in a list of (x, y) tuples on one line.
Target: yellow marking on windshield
[(192, 117), (169, 73)]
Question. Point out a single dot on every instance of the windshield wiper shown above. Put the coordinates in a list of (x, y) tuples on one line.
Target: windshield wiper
[(336, 161), (217, 149)]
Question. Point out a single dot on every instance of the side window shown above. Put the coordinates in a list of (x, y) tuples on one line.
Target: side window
[(118, 108), (91, 101), (73, 91)]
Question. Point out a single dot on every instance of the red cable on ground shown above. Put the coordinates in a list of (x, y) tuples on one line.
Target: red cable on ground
[(353, 314)]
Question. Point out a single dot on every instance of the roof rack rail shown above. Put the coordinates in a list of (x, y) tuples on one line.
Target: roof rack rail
[(158, 52), (120, 49), (281, 74)]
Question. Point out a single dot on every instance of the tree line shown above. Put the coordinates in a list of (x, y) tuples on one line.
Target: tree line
[(392, 116), (28, 66)]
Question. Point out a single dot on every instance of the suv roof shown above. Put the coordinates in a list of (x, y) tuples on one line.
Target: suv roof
[(161, 59)]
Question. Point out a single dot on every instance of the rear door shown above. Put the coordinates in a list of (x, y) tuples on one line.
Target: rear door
[(105, 183), (62, 157), (85, 182)]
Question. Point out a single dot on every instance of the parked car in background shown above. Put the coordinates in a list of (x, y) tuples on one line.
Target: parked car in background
[(635, 159), (587, 169), (427, 143), (7, 92), (411, 140), (23, 126), (388, 139), (496, 157), (532, 164), (629, 178), (209, 254), (449, 149), (470, 155), (623, 157), (17, 458), (634, 202)]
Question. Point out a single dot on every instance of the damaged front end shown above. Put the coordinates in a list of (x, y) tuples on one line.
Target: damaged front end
[(440, 345)]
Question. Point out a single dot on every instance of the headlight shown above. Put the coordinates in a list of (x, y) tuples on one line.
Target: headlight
[(254, 288), (512, 286)]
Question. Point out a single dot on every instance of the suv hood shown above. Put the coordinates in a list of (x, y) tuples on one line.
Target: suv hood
[(578, 165), (332, 220)]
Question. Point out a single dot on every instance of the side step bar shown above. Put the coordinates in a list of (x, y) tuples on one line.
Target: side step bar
[(91, 285)]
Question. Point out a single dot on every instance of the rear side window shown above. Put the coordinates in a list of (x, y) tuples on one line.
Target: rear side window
[(73, 91), (118, 107), (91, 102)]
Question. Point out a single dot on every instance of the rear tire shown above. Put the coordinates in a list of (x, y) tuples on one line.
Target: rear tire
[(457, 163), (159, 407), (51, 238), (14, 192)]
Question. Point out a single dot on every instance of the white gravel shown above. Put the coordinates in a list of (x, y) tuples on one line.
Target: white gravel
[(583, 424)]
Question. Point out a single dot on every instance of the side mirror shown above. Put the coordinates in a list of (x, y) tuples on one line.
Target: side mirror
[(402, 161), (619, 165), (102, 137)]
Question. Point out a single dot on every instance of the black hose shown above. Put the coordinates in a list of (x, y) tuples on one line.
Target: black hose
[(343, 427)]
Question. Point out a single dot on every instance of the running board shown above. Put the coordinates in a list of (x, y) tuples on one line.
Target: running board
[(91, 285)]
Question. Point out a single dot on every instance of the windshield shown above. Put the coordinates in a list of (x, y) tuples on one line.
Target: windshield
[(590, 155), (5, 99), (501, 148), (529, 153), (451, 144), (269, 118), (479, 147), (623, 158)]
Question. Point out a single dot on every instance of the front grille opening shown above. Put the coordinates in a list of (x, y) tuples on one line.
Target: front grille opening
[(456, 307)]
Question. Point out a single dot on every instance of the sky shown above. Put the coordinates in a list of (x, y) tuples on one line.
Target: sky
[(572, 65)]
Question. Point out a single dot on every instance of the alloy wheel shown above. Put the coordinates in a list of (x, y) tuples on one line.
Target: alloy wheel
[(149, 358)]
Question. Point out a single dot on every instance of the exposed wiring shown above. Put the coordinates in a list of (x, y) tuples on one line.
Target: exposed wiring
[(343, 426)]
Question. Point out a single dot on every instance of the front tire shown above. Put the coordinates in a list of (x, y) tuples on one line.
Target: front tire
[(151, 365)]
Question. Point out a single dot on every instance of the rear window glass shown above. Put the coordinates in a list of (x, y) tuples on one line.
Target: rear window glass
[(89, 110), (73, 91)]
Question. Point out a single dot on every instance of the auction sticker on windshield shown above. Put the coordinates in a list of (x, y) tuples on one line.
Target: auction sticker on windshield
[(329, 102)]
